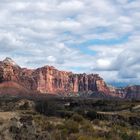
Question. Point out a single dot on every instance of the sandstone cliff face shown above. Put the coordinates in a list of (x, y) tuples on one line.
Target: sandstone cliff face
[(50, 80)]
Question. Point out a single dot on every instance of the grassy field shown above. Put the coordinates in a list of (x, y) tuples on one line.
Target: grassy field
[(53, 118)]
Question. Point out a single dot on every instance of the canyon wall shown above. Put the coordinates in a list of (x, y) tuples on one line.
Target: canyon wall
[(50, 80)]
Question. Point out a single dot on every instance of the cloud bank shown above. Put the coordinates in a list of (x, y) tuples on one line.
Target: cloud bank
[(77, 35)]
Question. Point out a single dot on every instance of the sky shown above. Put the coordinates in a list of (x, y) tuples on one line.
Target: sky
[(91, 36)]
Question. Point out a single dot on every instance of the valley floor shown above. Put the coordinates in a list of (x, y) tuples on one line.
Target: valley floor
[(68, 119)]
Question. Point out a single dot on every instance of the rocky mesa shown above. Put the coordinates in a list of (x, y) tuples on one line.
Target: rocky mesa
[(48, 79)]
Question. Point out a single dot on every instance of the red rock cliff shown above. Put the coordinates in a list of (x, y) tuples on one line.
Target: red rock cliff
[(50, 80)]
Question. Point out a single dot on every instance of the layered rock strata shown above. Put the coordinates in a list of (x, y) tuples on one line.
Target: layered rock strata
[(50, 80)]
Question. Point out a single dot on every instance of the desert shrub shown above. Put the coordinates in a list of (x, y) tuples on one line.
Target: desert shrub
[(14, 129), (64, 114), (57, 135), (26, 120), (71, 126), (87, 127), (25, 106), (125, 136), (42, 136), (65, 130), (80, 111), (45, 108), (96, 122), (91, 115), (78, 118), (101, 133), (113, 136), (61, 135), (89, 138), (27, 132), (43, 123), (49, 126), (64, 133), (134, 121), (133, 136), (74, 136), (49, 108)]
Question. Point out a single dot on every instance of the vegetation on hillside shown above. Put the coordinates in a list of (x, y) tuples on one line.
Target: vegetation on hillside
[(68, 119)]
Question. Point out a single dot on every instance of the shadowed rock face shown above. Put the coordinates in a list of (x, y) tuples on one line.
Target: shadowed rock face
[(133, 92), (50, 80)]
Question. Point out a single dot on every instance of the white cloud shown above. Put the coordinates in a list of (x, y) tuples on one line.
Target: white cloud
[(42, 32), (122, 59), (102, 63)]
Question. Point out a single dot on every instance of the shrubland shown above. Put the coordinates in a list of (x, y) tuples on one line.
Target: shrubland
[(68, 119)]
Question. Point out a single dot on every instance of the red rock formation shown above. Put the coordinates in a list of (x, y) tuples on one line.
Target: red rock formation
[(13, 88), (133, 92), (50, 80)]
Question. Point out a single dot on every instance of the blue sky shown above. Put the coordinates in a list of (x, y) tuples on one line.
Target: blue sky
[(83, 47), (89, 36)]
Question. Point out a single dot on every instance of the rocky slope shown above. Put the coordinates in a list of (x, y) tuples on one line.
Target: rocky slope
[(48, 79)]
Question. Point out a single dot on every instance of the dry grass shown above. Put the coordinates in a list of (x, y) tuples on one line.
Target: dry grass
[(8, 115)]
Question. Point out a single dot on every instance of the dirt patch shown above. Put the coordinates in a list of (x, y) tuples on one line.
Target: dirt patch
[(7, 115)]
